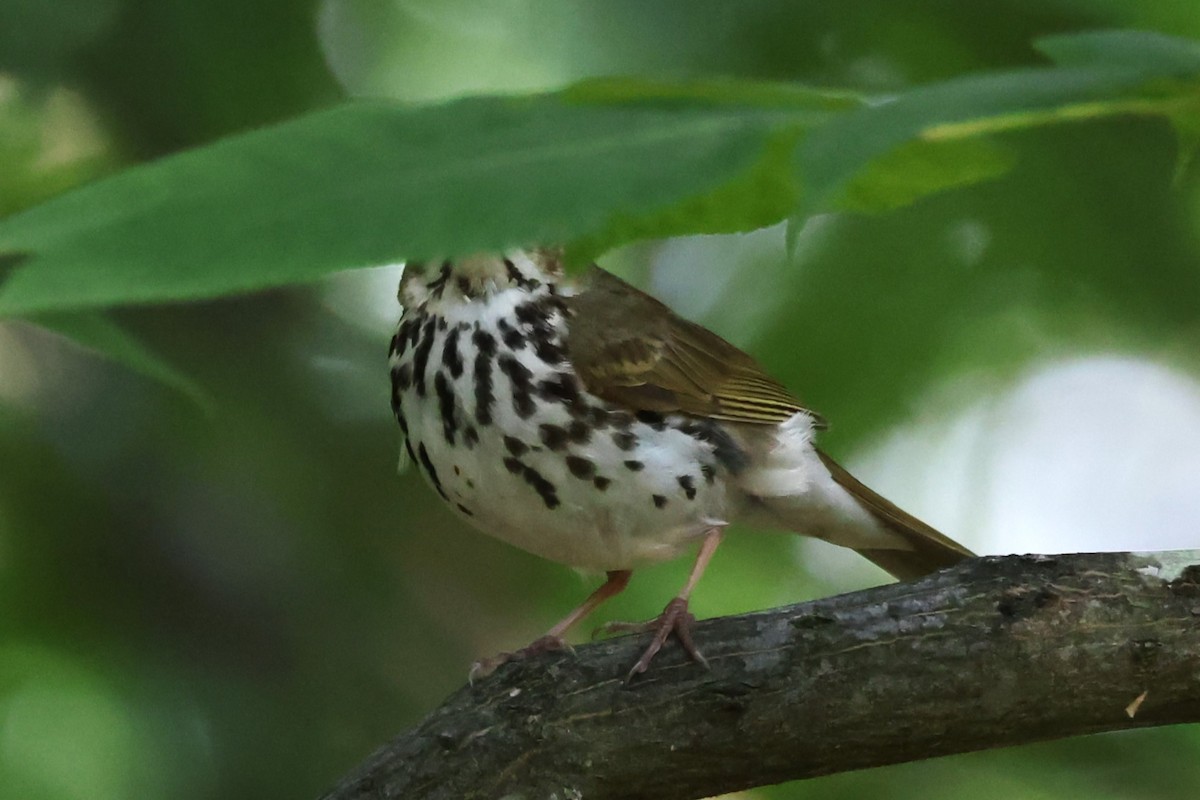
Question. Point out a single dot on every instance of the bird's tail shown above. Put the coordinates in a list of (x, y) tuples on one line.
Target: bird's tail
[(927, 550), (795, 486)]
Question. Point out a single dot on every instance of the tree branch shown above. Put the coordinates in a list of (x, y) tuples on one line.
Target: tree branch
[(994, 652)]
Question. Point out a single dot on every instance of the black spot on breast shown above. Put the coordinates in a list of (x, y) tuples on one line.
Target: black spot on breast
[(400, 340), (688, 484), (522, 402), (515, 446), (430, 472), (562, 388), (659, 501), (513, 339), (401, 420), (464, 286), (601, 483), (484, 342), (409, 448), (579, 433), (625, 440), (421, 355), (536, 318), (465, 510), (520, 377), (543, 487), (727, 451), (470, 436), (708, 472), (581, 467), (451, 358), (635, 466), (402, 377), (484, 396), (515, 276), (653, 419), (531, 314), (514, 369), (549, 351), (445, 397), (553, 436)]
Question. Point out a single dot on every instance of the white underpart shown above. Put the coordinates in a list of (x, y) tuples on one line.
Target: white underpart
[(618, 527), (787, 468), (799, 493)]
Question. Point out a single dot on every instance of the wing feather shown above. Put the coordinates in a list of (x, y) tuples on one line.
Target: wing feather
[(631, 349)]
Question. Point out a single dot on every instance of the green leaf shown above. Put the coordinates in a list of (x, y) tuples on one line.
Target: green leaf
[(1140, 49), (1146, 74), (1172, 56), (759, 197), (709, 93), (918, 168), (754, 199), (98, 333), (372, 183)]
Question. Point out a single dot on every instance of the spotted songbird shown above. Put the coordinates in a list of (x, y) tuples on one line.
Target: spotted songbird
[(592, 426)]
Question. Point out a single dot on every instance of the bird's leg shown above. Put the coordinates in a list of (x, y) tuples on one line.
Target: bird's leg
[(553, 639), (616, 583), (675, 618)]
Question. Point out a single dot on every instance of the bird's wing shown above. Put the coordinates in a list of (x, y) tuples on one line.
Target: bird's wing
[(632, 350)]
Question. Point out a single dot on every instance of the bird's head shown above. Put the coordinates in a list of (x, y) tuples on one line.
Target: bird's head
[(477, 276)]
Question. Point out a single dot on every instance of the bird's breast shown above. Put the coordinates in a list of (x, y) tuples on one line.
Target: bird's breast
[(502, 428)]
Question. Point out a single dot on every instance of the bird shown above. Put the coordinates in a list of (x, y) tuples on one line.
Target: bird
[(585, 422)]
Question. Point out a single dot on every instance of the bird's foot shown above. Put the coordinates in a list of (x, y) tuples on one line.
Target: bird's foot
[(547, 644), (674, 619)]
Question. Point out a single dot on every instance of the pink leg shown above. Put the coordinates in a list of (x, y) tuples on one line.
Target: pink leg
[(616, 583), (553, 640), (675, 618)]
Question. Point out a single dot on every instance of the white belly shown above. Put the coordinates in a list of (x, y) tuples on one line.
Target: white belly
[(545, 508)]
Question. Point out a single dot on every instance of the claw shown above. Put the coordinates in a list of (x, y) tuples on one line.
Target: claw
[(546, 644), (675, 619)]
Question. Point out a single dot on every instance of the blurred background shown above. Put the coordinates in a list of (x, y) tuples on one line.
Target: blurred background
[(246, 603)]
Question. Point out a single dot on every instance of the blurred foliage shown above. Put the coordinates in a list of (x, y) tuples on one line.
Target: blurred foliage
[(304, 199), (244, 602)]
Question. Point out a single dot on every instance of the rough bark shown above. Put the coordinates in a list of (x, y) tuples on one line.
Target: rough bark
[(994, 652)]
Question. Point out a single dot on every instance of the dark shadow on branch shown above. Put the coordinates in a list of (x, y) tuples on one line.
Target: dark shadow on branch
[(994, 652)]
